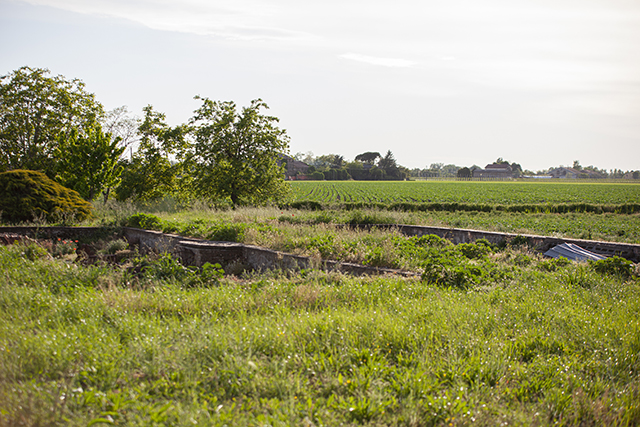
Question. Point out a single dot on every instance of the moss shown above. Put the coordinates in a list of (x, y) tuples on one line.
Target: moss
[(27, 195)]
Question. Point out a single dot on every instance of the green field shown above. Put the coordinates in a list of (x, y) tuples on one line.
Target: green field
[(594, 211), (472, 192)]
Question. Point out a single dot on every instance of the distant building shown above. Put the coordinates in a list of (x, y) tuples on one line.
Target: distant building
[(564, 173), (495, 171), (295, 169)]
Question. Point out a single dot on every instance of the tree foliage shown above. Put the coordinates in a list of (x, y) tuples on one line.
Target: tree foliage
[(368, 157), (29, 195), (235, 155), (154, 170), (89, 163), (36, 111), (465, 172)]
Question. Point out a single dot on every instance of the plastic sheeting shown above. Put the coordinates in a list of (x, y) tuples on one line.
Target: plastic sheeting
[(573, 253)]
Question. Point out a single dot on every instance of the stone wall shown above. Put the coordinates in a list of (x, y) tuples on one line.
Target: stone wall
[(198, 252), (539, 243), (64, 233)]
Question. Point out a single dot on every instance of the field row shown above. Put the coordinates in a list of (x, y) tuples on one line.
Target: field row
[(493, 193)]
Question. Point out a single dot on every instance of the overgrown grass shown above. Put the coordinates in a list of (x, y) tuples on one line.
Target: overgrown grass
[(550, 343), (582, 225)]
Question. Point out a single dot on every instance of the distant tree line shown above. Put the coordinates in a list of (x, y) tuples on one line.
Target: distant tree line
[(369, 166), (53, 125)]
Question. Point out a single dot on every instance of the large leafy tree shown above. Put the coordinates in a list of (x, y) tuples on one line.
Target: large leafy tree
[(235, 155), (155, 169), (36, 111), (89, 163)]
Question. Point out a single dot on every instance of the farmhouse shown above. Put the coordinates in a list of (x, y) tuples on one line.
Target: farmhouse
[(494, 170), (295, 169)]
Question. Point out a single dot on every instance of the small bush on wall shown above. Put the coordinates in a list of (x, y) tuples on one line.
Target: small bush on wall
[(27, 195)]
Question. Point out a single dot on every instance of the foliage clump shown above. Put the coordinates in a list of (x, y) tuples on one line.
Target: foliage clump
[(222, 232), (144, 221), (27, 195), (166, 268), (615, 265)]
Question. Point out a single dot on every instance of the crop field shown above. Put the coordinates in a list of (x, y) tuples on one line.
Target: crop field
[(472, 192), (593, 211)]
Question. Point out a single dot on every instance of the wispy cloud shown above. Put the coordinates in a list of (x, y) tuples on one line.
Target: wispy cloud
[(375, 60), (246, 20)]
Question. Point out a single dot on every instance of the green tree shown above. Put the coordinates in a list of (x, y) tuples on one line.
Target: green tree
[(155, 170), (35, 111), (464, 173), (89, 163), (368, 157), (389, 165), (236, 155)]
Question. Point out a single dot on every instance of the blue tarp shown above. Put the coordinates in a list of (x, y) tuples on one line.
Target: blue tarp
[(572, 252)]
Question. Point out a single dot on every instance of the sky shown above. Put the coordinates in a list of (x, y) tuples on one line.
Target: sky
[(537, 82)]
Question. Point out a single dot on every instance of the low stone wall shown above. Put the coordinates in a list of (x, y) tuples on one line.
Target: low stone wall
[(539, 243), (197, 252), (64, 233)]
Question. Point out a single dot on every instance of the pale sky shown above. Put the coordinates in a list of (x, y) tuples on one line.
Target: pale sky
[(538, 82)]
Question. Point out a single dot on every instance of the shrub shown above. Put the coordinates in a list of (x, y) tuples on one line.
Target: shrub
[(449, 271), (33, 252), (615, 265), (324, 244), (144, 221), (360, 218), (166, 267), (29, 195), (431, 240), (227, 232), (553, 264), (474, 250), (316, 176), (376, 257), (308, 205), (115, 246)]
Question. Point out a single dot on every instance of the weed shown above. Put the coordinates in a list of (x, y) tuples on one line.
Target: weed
[(33, 251), (614, 265), (553, 264), (114, 246)]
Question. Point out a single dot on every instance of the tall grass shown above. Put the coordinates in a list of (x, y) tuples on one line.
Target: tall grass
[(551, 345)]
